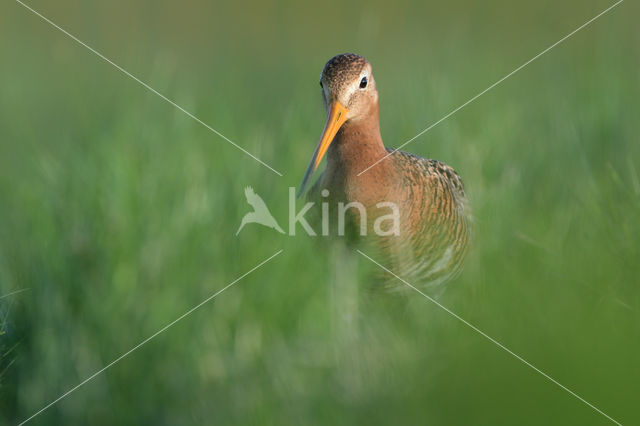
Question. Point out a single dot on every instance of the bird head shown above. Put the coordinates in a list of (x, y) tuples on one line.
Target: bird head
[(348, 86), (349, 94)]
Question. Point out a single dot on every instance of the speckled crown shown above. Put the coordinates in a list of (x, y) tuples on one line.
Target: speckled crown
[(342, 69)]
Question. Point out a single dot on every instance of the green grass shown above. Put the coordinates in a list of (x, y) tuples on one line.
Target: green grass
[(119, 213)]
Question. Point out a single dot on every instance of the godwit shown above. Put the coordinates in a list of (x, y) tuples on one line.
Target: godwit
[(434, 220)]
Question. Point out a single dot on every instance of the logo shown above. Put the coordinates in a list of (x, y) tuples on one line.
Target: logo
[(384, 225), (260, 213)]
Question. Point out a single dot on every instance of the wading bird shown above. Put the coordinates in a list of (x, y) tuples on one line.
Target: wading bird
[(434, 218)]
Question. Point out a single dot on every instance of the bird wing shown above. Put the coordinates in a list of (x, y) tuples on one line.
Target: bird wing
[(254, 199)]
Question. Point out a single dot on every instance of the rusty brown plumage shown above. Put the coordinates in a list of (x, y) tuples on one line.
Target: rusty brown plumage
[(434, 216)]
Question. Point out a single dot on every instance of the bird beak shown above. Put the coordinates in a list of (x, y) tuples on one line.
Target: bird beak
[(336, 118)]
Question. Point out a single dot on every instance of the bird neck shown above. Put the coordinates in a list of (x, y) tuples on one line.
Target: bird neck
[(357, 145)]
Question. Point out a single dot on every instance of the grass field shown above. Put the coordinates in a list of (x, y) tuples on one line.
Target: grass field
[(118, 213)]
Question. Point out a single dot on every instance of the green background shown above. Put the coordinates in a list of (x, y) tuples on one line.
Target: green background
[(118, 213)]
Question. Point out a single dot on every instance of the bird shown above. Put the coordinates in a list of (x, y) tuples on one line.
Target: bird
[(260, 213), (434, 216)]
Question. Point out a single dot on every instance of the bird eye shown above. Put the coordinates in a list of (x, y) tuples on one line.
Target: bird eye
[(363, 82)]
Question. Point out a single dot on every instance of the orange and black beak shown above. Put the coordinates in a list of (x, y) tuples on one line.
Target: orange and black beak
[(337, 117)]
